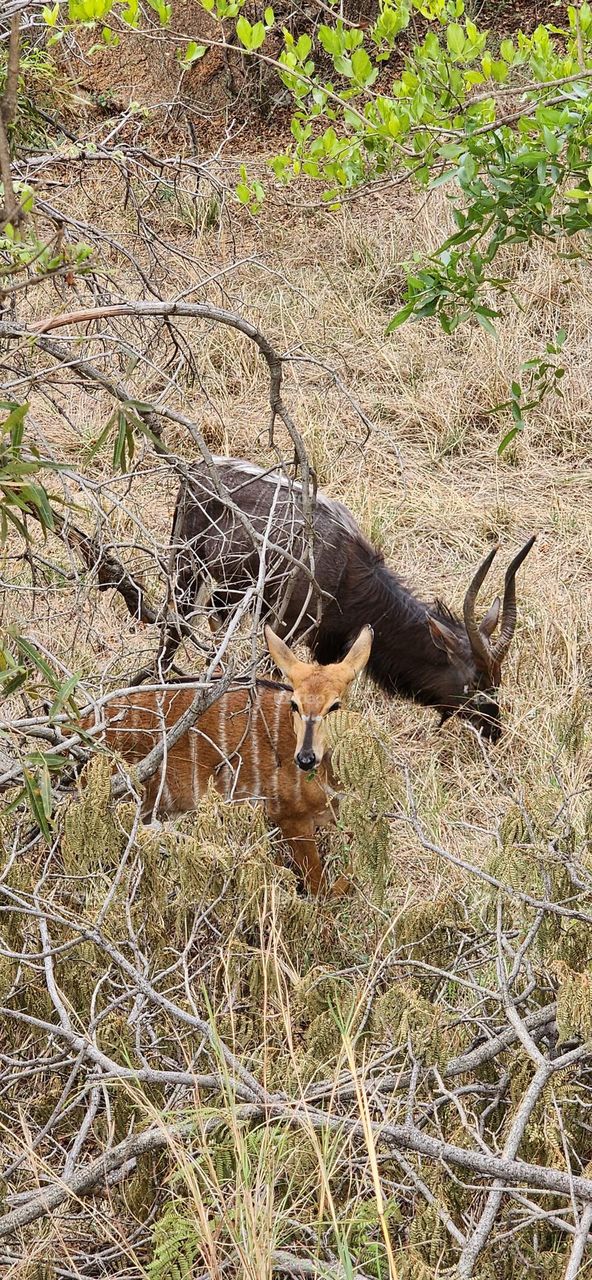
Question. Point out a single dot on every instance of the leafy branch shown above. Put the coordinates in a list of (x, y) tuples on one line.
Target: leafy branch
[(543, 378)]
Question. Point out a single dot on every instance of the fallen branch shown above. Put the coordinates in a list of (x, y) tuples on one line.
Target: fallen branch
[(403, 1137), (288, 1264), (579, 1244), (463, 1065)]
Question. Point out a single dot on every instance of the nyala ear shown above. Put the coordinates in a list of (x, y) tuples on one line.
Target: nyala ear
[(491, 618), (357, 656), (282, 656), (445, 638)]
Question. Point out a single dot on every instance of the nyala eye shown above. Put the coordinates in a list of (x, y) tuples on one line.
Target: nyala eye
[(294, 706), (336, 707)]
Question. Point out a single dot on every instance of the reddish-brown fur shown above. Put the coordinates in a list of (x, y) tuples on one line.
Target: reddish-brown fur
[(246, 743)]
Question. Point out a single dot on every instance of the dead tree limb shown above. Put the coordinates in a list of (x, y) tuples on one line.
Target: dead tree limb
[(174, 628), (11, 211), (205, 311), (202, 311), (119, 391), (579, 1244), (12, 72), (402, 1137)]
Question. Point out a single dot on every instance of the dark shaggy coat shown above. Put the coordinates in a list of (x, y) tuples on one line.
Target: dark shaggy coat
[(356, 586)]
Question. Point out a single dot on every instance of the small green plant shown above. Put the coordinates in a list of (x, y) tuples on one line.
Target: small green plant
[(543, 378), (251, 194), (41, 87), (21, 491), (175, 1246), (24, 669), (192, 54), (127, 421)]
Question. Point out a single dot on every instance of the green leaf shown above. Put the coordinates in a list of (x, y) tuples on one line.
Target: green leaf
[(257, 35), (65, 696), (192, 53), (124, 447), (11, 681), (130, 15), (331, 40), (303, 47), (400, 317), (45, 792), (343, 66), (529, 160), (36, 496), (455, 39), (32, 653), (362, 67), (163, 10), (15, 422), (508, 439), (552, 142), (499, 71), (244, 31), (35, 800), (485, 322)]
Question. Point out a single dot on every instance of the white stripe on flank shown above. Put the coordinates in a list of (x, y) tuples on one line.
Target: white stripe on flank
[(194, 767), (163, 801), (275, 746), (167, 799), (222, 742), (254, 753)]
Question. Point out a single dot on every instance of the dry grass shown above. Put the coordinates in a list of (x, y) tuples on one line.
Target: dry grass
[(427, 485)]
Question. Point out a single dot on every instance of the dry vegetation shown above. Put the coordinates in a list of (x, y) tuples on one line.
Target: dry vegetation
[(173, 984)]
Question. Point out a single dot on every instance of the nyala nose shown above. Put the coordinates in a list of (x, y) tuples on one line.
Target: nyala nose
[(306, 760)]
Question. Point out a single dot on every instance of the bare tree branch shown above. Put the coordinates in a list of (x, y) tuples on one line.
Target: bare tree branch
[(579, 1245), (8, 108), (11, 211)]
